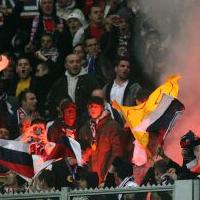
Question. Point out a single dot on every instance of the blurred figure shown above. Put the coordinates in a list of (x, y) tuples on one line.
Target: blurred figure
[(86, 180), (4, 132), (47, 50), (13, 183), (45, 181), (43, 80), (48, 22)]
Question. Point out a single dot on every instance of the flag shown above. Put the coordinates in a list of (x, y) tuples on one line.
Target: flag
[(136, 114), (15, 155), (156, 115), (66, 147)]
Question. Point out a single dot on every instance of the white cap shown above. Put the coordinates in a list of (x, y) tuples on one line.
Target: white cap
[(76, 16)]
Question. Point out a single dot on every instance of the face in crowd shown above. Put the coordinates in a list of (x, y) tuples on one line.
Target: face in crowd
[(122, 70), (92, 47), (69, 115), (96, 15), (23, 68), (30, 103), (47, 6), (95, 110), (79, 50), (4, 133), (73, 64), (74, 24), (46, 42)]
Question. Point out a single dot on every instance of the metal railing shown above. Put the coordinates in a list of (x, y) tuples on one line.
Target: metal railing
[(181, 190)]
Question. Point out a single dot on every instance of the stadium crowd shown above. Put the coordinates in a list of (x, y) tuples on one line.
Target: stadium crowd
[(66, 66)]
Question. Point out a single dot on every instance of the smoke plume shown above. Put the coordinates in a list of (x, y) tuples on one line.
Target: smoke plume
[(179, 24)]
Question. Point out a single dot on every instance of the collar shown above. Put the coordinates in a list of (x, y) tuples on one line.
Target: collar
[(121, 85), (82, 72)]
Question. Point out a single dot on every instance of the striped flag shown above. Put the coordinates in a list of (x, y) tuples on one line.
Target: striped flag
[(156, 115), (15, 155)]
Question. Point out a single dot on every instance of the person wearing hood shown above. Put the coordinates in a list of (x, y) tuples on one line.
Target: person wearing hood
[(67, 7), (75, 83), (76, 23), (48, 22)]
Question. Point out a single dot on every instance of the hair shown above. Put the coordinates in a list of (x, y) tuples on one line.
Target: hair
[(48, 177), (95, 4), (123, 168), (96, 100), (121, 58), (54, 8), (89, 38), (66, 103), (91, 178), (22, 95), (38, 121), (79, 44), (24, 56), (161, 166)]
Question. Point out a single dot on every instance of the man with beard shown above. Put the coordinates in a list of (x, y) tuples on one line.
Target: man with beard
[(124, 90)]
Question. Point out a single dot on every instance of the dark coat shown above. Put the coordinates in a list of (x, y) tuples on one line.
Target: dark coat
[(109, 144), (85, 85), (131, 93)]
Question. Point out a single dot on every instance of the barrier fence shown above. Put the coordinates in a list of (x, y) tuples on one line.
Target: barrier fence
[(181, 190)]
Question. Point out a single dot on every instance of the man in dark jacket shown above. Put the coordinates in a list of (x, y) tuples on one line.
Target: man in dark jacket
[(100, 138), (124, 90), (76, 84)]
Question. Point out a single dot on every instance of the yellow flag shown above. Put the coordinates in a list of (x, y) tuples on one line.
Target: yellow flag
[(135, 114)]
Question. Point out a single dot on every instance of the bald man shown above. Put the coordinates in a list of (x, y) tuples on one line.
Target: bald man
[(75, 84)]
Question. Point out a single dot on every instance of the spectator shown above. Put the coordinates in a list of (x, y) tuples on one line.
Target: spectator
[(108, 107), (43, 80), (23, 80), (76, 27), (100, 138), (13, 183), (80, 51), (49, 22), (123, 89), (66, 125), (75, 84), (8, 110), (4, 132), (123, 177), (88, 180), (45, 181), (93, 60), (28, 106), (67, 7), (47, 51), (95, 28), (11, 21)]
